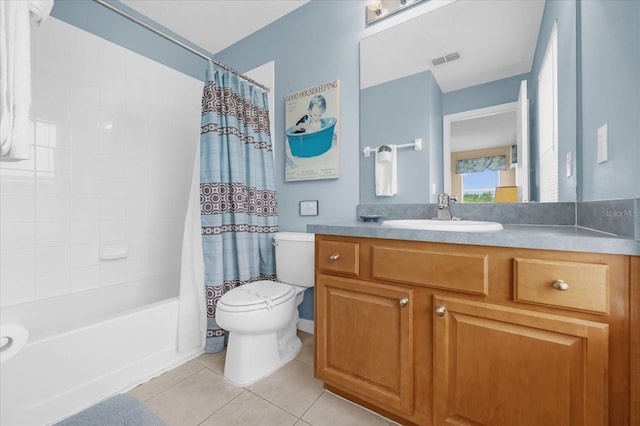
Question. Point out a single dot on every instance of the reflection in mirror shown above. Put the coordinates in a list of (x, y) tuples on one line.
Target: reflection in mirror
[(482, 153), (466, 56), (380, 9)]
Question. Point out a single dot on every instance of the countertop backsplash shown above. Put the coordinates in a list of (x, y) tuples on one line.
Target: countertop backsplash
[(619, 217)]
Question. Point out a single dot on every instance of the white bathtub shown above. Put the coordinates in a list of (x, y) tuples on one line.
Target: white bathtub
[(84, 347)]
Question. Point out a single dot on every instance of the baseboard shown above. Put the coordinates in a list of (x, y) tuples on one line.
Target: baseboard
[(305, 325)]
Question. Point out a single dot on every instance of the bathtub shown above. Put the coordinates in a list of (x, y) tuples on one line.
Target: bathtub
[(85, 347), (312, 144)]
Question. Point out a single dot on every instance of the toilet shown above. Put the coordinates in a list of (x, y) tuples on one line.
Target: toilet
[(261, 317)]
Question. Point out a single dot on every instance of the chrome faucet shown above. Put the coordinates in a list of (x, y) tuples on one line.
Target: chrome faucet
[(444, 201)]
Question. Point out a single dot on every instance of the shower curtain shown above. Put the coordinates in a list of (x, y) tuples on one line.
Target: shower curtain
[(238, 202)]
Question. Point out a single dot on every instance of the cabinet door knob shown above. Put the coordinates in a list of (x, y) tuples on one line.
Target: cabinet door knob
[(440, 311), (403, 302), (334, 256), (560, 285)]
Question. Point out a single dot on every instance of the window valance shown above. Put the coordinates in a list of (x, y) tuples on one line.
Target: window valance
[(476, 165)]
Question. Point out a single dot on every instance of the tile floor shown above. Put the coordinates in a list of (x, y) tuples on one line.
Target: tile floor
[(195, 393)]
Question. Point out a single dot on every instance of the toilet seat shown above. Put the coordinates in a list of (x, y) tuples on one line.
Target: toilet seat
[(255, 296)]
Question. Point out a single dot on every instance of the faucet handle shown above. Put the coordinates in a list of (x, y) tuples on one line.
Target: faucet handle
[(443, 200), (453, 199)]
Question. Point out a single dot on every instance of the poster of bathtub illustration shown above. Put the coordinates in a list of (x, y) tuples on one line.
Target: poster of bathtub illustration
[(313, 133)]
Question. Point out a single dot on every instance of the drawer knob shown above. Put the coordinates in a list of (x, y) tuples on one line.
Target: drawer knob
[(560, 285), (440, 311), (334, 256), (403, 302)]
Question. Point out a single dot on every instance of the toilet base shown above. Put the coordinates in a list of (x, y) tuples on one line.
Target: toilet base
[(253, 357)]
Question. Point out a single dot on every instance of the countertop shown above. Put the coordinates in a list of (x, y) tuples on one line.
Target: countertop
[(547, 237)]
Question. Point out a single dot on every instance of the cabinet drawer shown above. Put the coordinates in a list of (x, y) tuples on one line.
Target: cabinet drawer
[(461, 272), (571, 285), (338, 256)]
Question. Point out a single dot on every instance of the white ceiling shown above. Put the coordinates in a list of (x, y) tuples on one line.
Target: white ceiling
[(484, 132), (496, 39), (214, 24)]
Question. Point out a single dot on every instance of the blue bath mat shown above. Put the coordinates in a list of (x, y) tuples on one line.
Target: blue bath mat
[(120, 410)]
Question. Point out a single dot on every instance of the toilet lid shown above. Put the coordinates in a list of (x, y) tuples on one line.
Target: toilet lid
[(256, 296)]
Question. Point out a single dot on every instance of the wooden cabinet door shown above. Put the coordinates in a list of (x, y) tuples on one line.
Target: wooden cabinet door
[(364, 339), (502, 366)]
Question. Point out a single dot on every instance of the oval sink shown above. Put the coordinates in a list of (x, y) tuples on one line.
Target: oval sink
[(444, 225)]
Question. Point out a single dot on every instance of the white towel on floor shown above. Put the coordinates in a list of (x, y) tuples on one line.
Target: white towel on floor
[(386, 171), (15, 73)]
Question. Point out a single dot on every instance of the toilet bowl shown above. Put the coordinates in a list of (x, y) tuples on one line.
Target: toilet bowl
[(261, 317)]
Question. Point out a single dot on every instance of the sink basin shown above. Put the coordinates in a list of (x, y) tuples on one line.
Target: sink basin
[(444, 225)]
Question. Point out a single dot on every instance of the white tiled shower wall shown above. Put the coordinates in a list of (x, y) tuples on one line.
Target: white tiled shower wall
[(113, 145)]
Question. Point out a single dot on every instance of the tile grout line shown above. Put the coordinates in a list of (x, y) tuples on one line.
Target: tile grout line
[(224, 405), (170, 387), (311, 406)]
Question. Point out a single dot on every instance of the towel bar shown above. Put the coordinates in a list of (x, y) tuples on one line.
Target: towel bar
[(416, 145)]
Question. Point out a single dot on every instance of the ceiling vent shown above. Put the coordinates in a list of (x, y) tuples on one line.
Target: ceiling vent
[(444, 59)]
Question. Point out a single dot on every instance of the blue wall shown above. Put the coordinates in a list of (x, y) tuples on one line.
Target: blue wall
[(483, 95), (384, 122), (610, 94), (316, 43), (421, 112)]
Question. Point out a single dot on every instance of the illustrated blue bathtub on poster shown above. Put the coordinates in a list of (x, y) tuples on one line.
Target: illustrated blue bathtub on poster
[(312, 144)]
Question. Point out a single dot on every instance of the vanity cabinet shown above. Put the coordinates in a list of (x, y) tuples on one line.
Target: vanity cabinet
[(496, 365), (447, 334), (368, 348)]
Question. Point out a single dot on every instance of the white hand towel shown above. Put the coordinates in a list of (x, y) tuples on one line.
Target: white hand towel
[(15, 73), (386, 172)]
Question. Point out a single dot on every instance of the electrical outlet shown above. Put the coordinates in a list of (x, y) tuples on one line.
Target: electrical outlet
[(603, 143)]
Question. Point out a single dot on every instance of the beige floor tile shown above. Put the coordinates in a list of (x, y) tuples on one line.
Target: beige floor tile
[(249, 409), (194, 399), (331, 410), (306, 353), (164, 381), (292, 388), (214, 362), (301, 423)]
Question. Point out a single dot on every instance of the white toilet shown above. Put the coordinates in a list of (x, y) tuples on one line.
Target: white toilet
[(261, 317)]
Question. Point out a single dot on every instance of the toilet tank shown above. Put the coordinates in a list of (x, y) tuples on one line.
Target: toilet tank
[(294, 258)]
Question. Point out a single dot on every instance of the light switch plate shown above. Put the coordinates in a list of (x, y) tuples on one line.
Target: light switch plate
[(309, 208), (603, 143)]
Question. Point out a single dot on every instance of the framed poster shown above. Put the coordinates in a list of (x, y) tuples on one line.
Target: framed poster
[(313, 133)]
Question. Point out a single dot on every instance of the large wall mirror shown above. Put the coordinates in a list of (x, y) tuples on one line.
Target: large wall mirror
[(490, 86)]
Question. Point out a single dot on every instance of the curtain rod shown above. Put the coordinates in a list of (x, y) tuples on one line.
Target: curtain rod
[(177, 42)]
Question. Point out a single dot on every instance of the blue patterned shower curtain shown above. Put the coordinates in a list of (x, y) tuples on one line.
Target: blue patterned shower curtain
[(238, 206)]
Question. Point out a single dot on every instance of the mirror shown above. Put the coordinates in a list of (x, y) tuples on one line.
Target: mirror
[(450, 71)]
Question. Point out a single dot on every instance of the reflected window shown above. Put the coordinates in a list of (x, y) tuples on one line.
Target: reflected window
[(479, 187)]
